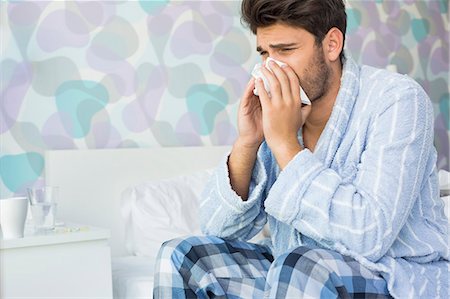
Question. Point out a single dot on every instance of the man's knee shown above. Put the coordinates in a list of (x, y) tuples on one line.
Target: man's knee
[(185, 245), (179, 245)]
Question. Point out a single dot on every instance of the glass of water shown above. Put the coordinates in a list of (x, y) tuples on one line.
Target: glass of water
[(43, 202)]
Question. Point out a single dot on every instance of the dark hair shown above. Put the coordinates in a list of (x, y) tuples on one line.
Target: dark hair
[(315, 16)]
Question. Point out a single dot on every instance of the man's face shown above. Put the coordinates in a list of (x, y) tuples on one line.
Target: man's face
[(297, 48)]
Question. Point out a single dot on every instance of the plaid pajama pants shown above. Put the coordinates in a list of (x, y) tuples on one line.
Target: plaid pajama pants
[(210, 267)]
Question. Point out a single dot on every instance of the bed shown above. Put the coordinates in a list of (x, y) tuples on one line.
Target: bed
[(144, 196)]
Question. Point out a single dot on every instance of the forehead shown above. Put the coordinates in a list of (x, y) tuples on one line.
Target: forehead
[(282, 33)]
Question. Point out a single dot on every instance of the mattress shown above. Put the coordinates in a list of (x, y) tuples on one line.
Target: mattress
[(132, 277)]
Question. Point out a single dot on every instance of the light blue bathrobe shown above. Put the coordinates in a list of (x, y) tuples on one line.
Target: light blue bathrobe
[(369, 190)]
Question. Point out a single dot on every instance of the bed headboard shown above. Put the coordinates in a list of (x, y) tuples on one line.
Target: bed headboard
[(91, 181)]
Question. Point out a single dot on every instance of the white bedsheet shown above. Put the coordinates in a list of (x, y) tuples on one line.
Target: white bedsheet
[(132, 277)]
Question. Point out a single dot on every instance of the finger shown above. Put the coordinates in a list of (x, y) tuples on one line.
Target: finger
[(283, 79), (263, 95), (248, 92), (248, 97), (274, 84), (293, 80), (250, 86)]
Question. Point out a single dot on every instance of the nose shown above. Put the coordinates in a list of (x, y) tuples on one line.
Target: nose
[(273, 56)]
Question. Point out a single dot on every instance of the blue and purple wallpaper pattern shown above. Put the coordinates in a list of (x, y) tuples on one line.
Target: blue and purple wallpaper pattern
[(110, 74)]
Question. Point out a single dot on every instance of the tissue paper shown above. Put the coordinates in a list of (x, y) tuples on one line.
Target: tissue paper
[(257, 73)]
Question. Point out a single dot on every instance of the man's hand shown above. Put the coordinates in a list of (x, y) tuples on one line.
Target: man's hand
[(250, 118), (282, 112), (243, 154)]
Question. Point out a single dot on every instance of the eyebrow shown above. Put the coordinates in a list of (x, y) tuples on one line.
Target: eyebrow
[(277, 46)]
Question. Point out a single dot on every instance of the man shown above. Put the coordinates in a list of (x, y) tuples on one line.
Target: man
[(348, 185)]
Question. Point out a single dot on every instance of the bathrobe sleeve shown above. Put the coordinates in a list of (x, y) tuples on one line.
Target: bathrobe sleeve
[(365, 214), (224, 214)]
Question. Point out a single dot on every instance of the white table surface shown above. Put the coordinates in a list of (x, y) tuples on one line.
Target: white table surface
[(62, 234)]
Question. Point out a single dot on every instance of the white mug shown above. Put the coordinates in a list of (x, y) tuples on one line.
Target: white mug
[(13, 213)]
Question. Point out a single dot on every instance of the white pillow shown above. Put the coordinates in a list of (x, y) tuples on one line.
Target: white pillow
[(160, 210)]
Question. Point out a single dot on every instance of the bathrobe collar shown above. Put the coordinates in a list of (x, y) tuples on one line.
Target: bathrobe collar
[(334, 130)]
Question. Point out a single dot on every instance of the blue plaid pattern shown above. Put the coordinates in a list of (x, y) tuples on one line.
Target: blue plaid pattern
[(321, 273), (210, 267)]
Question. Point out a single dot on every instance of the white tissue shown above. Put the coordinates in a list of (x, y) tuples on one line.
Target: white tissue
[(257, 73)]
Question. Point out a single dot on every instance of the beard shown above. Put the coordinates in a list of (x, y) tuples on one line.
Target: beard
[(317, 74)]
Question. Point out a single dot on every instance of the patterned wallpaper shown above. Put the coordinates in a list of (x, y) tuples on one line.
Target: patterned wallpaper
[(109, 74)]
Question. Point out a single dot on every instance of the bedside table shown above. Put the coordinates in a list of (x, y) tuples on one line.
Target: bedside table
[(71, 262)]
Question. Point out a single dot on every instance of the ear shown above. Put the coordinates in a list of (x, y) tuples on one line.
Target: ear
[(333, 44)]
